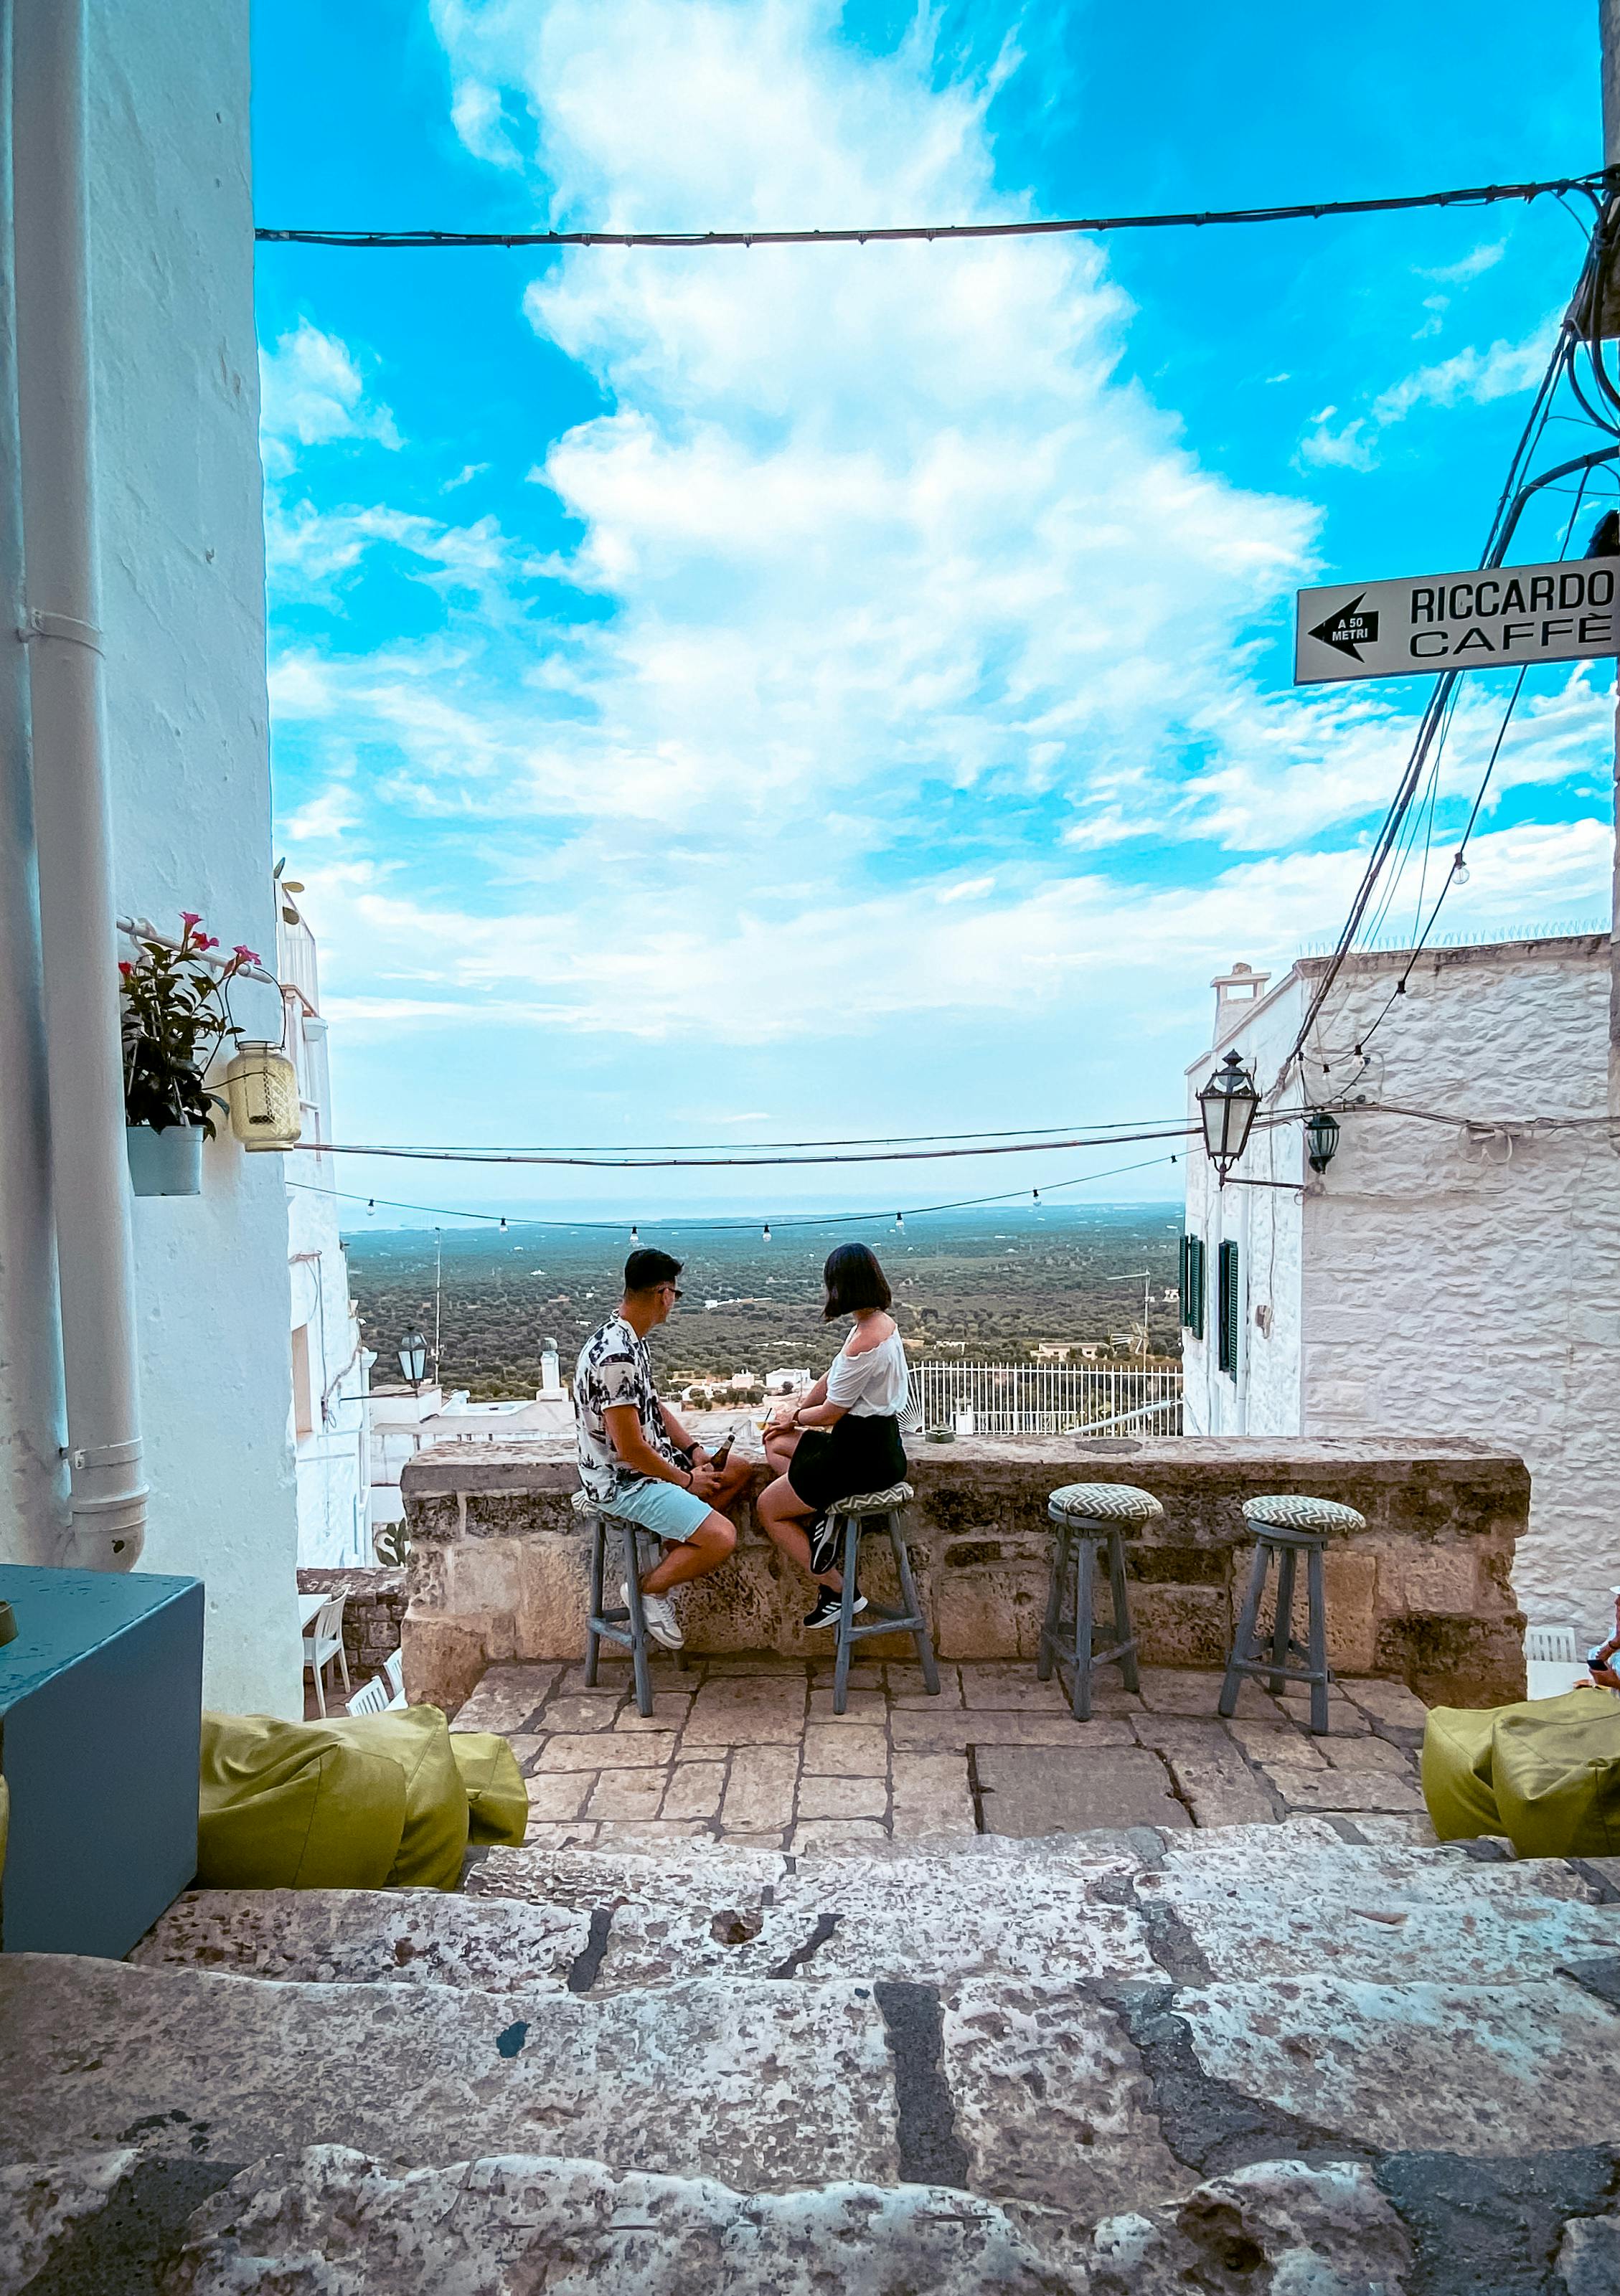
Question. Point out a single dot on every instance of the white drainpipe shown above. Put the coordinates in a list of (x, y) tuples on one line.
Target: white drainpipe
[(72, 814), (33, 1482)]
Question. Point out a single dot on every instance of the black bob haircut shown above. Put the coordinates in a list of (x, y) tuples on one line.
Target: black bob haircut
[(645, 1270), (853, 1280)]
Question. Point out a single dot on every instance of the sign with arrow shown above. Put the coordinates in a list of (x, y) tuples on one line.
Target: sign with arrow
[(1489, 618)]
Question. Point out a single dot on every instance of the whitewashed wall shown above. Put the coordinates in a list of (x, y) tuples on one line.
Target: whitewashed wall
[(183, 580), (1454, 1286), (332, 1455)]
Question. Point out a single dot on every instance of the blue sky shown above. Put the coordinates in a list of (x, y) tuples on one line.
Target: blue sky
[(783, 693)]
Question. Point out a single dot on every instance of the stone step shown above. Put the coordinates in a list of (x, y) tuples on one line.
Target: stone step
[(1068, 2104), (1229, 1904), (331, 2221)]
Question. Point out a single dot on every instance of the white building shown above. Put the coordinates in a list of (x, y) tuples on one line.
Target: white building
[(1455, 1270), (404, 1421), (331, 1439), (147, 1339)]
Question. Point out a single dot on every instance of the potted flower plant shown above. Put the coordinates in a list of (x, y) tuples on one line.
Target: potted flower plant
[(176, 1014)]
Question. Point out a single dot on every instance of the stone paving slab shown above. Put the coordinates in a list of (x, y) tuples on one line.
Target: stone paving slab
[(1462, 2068), (351, 1937), (1405, 1917), (336, 2223), (742, 1749), (1026, 1792), (1051, 2101), (767, 2085)]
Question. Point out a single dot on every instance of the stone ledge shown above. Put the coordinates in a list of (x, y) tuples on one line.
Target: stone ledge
[(497, 1568)]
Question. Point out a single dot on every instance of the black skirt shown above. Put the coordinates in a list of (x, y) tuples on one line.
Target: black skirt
[(857, 1454)]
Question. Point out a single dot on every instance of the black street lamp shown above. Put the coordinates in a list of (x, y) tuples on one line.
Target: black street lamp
[(1227, 1105), (413, 1357), (1321, 1138)]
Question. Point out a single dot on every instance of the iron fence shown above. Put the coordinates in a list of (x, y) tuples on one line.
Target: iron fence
[(979, 1398)]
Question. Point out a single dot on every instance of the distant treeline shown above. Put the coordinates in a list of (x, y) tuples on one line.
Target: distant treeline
[(988, 1290)]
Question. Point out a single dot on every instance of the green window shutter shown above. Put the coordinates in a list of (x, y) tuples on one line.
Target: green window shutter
[(1192, 1285), (1184, 1279), (1228, 1309)]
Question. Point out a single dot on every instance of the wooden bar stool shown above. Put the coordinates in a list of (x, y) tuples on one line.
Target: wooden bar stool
[(1287, 1525), (851, 1518), (614, 1622), (1089, 1515)]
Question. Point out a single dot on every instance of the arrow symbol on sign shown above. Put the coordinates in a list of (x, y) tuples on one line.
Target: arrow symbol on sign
[(1348, 629)]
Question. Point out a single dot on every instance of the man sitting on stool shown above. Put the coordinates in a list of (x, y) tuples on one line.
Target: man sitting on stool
[(635, 1458)]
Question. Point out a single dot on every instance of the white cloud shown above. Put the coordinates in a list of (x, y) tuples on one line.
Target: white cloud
[(1472, 375), (883, 557), (312, 394), (1467, 268)]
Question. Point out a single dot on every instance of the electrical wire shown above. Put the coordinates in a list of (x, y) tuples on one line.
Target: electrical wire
[(734, 1226), (1038, 1147), (1580, 330), (1021, 1132), (1311, 210)]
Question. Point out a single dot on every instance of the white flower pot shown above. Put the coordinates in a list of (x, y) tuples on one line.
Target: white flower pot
[(167, 1163)]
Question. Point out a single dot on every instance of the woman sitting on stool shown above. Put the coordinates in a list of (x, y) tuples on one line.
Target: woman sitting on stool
[(843, 1435)]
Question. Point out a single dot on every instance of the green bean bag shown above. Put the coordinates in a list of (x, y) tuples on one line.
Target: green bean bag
[(1546, 1773), (498, 1799), (356, 1803), (289, 1805)]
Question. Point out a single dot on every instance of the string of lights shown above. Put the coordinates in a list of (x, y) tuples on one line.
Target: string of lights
[(506, 1220), (1058, 1135), (1304, 210)]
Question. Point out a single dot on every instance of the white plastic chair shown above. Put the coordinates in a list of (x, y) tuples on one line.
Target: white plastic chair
[(322, 1643), (393, 1667), (371, 1698)]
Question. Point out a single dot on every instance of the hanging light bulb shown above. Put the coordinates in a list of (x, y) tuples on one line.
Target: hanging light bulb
[(899, 1219), (1035, 1194), (767, 1231), (635, 1234), (1459, 869), (502, 1228), (371, 1203)]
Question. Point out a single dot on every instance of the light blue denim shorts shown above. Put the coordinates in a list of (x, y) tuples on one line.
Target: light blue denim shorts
[(668, 1510)]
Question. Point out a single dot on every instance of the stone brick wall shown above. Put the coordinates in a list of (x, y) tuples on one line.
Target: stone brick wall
[(498, 1564), (372, 1616)]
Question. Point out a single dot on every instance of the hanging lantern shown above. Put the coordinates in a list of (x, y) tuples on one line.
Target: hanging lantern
[(262, 1086), (1321, 1138), (413, 1356), (1227, 1105)]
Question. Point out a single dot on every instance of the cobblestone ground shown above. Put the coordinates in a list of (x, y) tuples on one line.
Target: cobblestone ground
[(749, 1750)]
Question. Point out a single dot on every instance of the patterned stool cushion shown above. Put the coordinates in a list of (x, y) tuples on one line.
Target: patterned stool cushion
[(1102, 1503), (884, 1501), (1289, 1511)]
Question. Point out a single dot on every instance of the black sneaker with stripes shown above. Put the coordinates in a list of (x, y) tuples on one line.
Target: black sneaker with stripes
[(826, 1610), (823, 1544)]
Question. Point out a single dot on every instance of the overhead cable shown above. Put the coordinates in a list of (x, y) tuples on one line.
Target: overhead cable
[(732, 1226), (1039, 1147), (1305, 211)]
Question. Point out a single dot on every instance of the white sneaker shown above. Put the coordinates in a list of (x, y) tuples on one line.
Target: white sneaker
[(663, 1624)]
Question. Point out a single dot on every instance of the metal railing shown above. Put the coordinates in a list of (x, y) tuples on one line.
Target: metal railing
[(977, 1398)]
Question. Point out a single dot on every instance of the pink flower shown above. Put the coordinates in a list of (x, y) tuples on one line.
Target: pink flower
[(206, 941), (125, 969), (246, 956), (189, 917)]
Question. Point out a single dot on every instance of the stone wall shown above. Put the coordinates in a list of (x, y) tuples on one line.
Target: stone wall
[(498, 1561), (372, 1616)]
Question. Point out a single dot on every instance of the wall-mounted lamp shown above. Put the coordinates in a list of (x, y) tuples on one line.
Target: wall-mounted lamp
[(1227, 1105), (413, 1357), (1321, 1138)]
